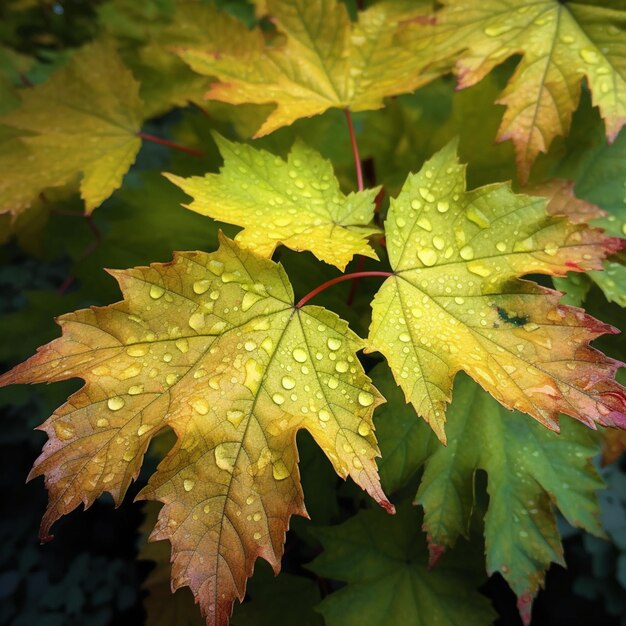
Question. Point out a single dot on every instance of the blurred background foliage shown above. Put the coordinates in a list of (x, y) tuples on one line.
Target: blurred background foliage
[(99, 570)]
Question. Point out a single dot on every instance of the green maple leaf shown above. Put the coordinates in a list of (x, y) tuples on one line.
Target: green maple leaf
[(296, 202), (561, 43), (530, 470), (455, 301), (325, 61), (80, 121), (388, 582), (212, 347)]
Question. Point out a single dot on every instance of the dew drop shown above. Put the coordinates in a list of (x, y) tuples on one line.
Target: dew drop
[(231, 277), (443, 206), (196, 320), (299, 355), (341, 367), (278, 399), (254, 375), (115, 404), (288, 382), (476, 216), (467, 253), (324, 415), (267, 344), (365, 398), (200, 406), (138, 350), (216, 267), (188, 484), (588, 55), (143, 429), (235, 417), (478, 268), (156, 291), (424, 222), (427, 256), (225, 455), (364, 429), (249, 300), (280, 471), (202, 286), (497, 29), (333, 343), (182, 345)]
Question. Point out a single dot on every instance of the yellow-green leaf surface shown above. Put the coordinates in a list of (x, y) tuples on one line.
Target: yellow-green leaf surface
[(82, 121), (212, 347), (325, 61), (296, 202), (455, 301), (561, 44)]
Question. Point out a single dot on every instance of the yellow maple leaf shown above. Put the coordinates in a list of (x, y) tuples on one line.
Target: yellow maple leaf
[(83, 120), (212, 347), (296, 202), (325, 61), (455, 301), (560, 43)]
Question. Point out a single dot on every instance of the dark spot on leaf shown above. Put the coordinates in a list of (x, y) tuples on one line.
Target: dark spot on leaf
[(515, 320)]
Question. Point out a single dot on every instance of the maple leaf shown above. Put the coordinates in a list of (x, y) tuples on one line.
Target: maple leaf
[(560, 43), (79, 121), (529, 470), (388, 582), (296, 202), (211, 346), (455, 301), (325, 61)]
